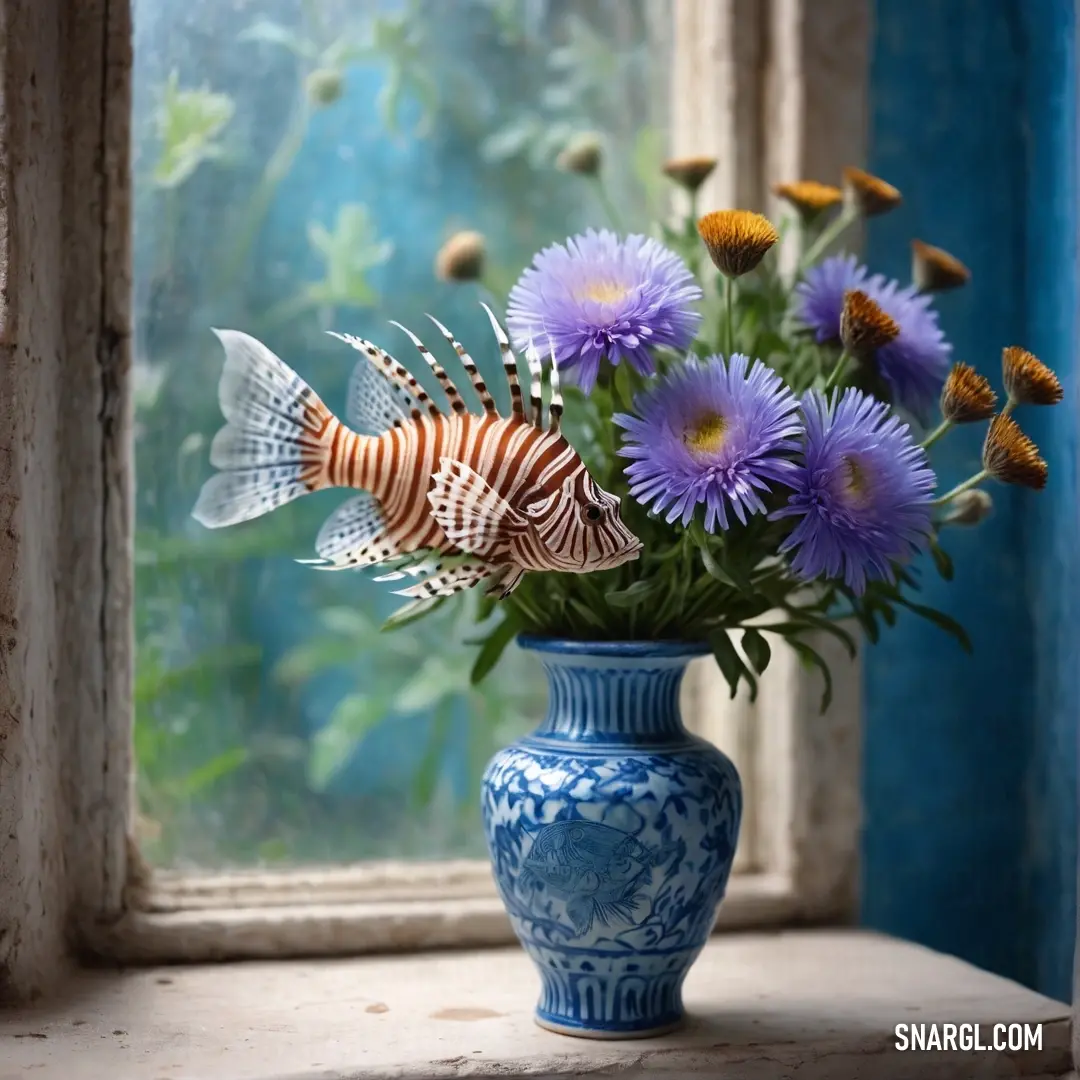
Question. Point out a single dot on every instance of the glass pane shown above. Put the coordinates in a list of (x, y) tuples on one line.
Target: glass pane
[(297, 167)]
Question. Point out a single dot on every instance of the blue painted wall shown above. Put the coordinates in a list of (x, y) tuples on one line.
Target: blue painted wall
[(970, 778)]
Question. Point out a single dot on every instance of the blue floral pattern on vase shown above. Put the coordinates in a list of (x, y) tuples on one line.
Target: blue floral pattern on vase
[(612, 831)]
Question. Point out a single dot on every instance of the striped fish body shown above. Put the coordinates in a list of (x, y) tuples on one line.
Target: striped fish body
[(525, 467), (481, 495)]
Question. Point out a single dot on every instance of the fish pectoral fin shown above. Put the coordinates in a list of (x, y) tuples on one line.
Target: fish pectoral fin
[(354, 536), (474, 516), (627, 909), (439, 583), (506, 582), (414, 569), (354, 528), (449, 581), (581, 910)]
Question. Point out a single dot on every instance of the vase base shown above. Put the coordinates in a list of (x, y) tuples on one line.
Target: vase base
[(580, 1031)]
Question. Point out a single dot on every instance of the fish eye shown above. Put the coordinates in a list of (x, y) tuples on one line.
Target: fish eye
[(592, 512)]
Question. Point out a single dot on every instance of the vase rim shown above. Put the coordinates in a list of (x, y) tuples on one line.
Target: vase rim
[(573, 647)]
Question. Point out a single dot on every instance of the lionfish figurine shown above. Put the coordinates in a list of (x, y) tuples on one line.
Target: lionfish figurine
[(505, 494)]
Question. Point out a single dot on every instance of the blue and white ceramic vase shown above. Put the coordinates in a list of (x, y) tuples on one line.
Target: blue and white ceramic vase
[(612, 832)]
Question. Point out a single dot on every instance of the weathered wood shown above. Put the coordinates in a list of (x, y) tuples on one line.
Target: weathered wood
[(815, 118), (777, 91), (63, 609), (816, 86), (814, 122), (338, 913), (716, 96), (97, 473), (33, 884)]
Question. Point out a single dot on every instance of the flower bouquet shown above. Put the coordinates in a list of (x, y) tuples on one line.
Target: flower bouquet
[(762, 414), (765, 422)]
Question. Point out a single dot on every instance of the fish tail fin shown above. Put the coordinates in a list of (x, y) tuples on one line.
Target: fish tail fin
[(279, 440), (582, 911)]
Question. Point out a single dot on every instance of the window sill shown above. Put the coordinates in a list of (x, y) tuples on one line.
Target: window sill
[(811, 1004)]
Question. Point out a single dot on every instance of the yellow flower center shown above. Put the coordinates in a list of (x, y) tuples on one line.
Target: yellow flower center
[(707, 435), (856, 481), (604, 292)]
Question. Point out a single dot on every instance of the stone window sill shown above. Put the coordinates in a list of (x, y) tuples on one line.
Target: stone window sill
[(805, 1004)]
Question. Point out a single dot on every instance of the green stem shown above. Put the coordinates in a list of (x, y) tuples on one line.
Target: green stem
[(936, 434), (170, 216), (729, 323), (606, 203), (704, 601), (827, 235), (525, 608), (489, 296), (290, 308), (258, 205), (311, 16), (697, 260), (837, 372), (967, 485)]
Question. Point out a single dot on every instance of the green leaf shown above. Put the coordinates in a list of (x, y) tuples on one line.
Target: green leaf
[(409, 613), (341, 53), (866, 620), (427, 775), (485, 607), (731, 663), (333, 744), (942, 560), (757, 649), (648, 151), (433, 683), (803, 621), (511, 140), (670, 236), (624, 390), (907, 577), (940, 620), (709, 561), (347, 621), (188, 123), (275, 34), (494, 646), (632, 595), (304, 661), (829, 626), (154, 680), (213, 770), (585, 612), (812, 658)]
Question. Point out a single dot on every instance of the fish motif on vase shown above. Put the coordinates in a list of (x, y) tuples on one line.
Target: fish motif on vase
[(599, 871)]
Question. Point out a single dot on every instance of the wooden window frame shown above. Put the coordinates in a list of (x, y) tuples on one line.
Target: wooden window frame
[(772, 93)]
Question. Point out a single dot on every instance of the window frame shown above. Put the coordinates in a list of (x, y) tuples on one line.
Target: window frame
[(759, 78)]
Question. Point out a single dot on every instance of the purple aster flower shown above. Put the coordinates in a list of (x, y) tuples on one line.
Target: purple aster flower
[(862, 494), (709, 432), (915, 365), (601, 297)]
